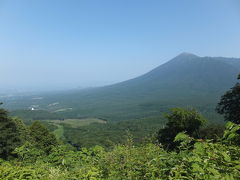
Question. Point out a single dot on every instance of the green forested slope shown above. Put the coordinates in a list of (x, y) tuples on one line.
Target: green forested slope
[(186, 80)]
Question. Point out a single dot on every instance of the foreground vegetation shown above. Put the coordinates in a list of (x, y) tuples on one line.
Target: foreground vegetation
[(193, 159)]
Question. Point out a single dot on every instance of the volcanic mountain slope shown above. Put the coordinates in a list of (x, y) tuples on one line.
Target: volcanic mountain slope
[(186, 80)]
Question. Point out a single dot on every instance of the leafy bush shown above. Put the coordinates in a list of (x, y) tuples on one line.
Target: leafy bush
[(179, 120), (232, 134)]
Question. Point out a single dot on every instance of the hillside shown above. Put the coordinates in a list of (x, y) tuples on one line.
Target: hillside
[(186, 80)]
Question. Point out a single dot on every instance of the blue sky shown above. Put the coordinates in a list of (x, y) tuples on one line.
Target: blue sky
[(56, 44)]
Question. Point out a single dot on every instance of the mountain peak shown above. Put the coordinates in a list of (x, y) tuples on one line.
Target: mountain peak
[(186, 54)]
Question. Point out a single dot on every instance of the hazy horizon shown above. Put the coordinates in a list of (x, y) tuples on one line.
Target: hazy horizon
[(60, 45)]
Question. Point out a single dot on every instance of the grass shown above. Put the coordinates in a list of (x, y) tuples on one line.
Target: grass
[(73, 123), (59, 132)]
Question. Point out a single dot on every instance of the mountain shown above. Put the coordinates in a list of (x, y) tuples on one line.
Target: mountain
[(186, 80)]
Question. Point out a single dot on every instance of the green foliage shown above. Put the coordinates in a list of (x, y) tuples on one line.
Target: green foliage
[(184, 140), (26, 143), (112, 133), (9, 172), (229, 104), (28, 152), (206, 160), (10, 136), (24, 132), (232, 134), (180, 120), (63, 156), (29, 115), (42, 138), (188, 120), (212, 131)]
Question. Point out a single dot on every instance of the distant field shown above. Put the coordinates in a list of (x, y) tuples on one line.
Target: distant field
[(73, 123), (59, 132)]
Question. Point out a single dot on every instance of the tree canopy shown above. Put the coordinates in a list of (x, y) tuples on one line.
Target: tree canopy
[(10, 137), (180, 120), (43, 139), (229, 104)]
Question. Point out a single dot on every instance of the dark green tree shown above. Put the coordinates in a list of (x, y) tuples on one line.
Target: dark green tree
[(23, 129), (229, 105), (180, 120), (42, 138), (212, 131), (10, 135)]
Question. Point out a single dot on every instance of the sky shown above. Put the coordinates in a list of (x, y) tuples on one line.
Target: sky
[(66, 44)]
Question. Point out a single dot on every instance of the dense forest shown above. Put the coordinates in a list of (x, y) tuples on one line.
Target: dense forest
[(184, 147)]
